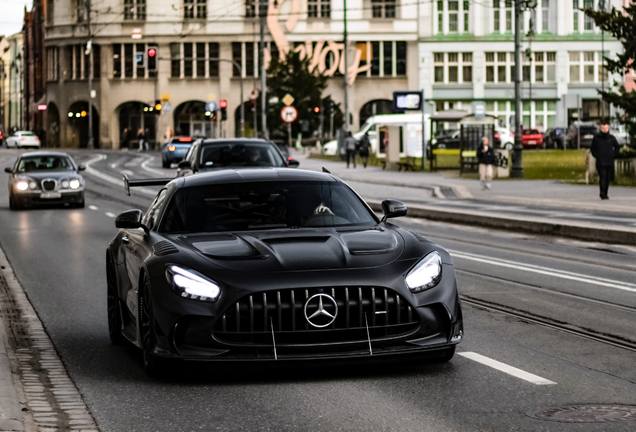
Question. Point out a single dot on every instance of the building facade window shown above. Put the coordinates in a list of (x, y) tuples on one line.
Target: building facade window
[(195, 9), (453, 16), (383, 8), (129, 61), (587, 67), (453, 68), (252, 8), (194, 60), (318, 8), (581, 22), (80, 11), (135, 10), (539, 68), (502, 17), (52, 63), (78, 63), (499, 67), (50, 12), (387, 58), (545, 15)]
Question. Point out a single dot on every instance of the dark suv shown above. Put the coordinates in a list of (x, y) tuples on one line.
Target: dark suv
[(586, 130), (213, 154)]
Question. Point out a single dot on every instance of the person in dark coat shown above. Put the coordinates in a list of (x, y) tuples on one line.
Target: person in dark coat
[(364, 147), (350, 146), (604, 149), (486, 158)]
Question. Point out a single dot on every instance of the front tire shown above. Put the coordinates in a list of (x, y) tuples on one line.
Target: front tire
[(114, 308)]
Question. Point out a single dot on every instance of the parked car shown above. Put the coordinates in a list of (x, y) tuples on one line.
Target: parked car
[(504, 138), (586, 130), (48, 177), (532, 138), (621, 135), (555, 138), (1, 138), (175, 150), (447, 139), (268, 266), (215, 154), (23, 139)]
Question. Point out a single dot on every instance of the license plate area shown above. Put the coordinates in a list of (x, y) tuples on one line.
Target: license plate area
[(50, 195)]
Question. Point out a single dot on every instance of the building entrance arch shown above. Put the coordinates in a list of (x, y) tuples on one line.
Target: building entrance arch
[(136, 118), (374, 107), (191, 119), (77, 136)]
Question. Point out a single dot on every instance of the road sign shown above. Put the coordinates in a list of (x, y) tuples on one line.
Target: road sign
[(288, 99), (289, 114), (166, 107), (165, 98), (254, 95), (211, 106)]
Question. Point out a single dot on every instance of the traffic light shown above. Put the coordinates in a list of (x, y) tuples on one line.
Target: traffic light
[(317, 110), (157, 107), (223, 106), (152, 55)]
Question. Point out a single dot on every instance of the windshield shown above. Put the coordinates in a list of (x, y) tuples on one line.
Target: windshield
[(237, 154), (264, 205), (45, 163)]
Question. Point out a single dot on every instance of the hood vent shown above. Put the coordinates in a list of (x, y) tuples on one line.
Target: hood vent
[(164, 248)]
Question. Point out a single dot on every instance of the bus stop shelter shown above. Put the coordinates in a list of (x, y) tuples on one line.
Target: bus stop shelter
[(437, 125), (473, 129)]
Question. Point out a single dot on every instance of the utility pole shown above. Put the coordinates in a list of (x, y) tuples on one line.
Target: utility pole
[(262, 8), (89, 53), (517, 167), (601, 5), (346, 73)]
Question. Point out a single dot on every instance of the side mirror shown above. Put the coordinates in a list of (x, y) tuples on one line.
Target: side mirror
[(131, 219), (392, 209), (184, 164), (293, 163), (8, 170), (81, 167)]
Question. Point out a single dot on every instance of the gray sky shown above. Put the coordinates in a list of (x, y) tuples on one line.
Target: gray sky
[(12, 15)]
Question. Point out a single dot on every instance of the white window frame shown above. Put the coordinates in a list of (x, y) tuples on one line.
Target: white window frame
[(496, 63), (503, 9), (199, 9), (138, 12), (460, 63), (582, 18), (441, 10), (322, 9), (582, 62)]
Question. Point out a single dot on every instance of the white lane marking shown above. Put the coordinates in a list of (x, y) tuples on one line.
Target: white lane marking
[(136, 161), (119, 182), (112, 215), (510, 370), (92, 207), (154, 171), (593, 280), (114, 165), (127, 172)]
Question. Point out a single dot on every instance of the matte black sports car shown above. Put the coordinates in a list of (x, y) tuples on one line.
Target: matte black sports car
[(45, 177), (274, 265)]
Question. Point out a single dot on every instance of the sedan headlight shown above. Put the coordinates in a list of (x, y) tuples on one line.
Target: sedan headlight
[(74, 184), (192, 285), (33, 185), (22, 185), (426, 274), (64, 184)]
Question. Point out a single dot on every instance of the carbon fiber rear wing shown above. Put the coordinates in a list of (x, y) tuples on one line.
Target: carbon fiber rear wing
[(144, 182)]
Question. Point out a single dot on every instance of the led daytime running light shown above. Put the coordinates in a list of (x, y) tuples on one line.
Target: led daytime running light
[(426, 274), (192, 286)]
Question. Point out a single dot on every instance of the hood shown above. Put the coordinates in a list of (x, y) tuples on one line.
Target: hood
[(41, 175), (298, 250)]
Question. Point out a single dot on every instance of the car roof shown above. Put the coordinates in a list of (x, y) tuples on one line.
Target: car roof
[(236, 141), (255, 175), (45, 153)]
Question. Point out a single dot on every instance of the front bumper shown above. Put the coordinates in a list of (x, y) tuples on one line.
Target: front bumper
[(70, 196), (192, 330)]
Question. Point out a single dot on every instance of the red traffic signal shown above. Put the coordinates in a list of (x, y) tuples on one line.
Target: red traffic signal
[(223, 103), (152, 52), (316, 110)]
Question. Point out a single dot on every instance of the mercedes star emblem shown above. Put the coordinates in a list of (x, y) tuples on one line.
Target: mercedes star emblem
[(321, 310)]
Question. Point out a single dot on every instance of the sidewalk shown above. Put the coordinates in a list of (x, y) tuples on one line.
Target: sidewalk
[(540, 206)]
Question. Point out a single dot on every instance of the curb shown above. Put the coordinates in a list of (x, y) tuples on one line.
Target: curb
[(11, 418), (542, 226)]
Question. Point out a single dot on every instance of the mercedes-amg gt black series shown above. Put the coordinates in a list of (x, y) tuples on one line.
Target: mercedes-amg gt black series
[(276, 265)]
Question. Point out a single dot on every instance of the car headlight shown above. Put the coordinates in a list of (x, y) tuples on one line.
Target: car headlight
[(74, 184), (22, 185), (426, 274), (65, 184), (191, 285)]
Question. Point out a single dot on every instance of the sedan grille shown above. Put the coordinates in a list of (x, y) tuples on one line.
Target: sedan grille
[(48, 185), (363, 313)]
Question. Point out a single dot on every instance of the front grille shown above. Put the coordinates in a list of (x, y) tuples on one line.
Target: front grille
[(249, 321), (48, 185)]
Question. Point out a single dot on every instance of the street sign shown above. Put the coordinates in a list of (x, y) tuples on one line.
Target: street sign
[(211, 106), (139, 58), (165, 98), (273, 100), (288, 114), (288, 100), (166, 107), (254, 95)]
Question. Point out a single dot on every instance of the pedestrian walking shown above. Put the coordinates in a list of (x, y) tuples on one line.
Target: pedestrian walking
[(364, 147), (604, 149), (350, 145), (146, 136), (140, 137), (124, 139), (486, 158)]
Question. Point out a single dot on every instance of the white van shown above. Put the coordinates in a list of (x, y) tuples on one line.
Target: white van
[(411, 133)]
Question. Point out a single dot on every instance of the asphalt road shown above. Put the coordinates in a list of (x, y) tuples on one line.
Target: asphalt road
[(59, 257)]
